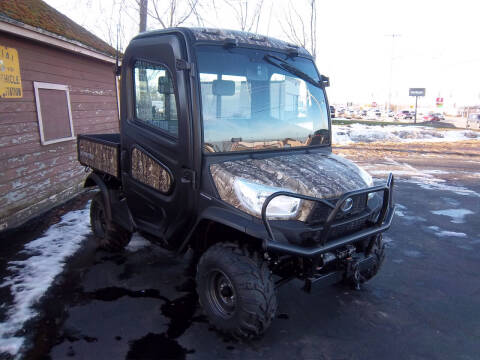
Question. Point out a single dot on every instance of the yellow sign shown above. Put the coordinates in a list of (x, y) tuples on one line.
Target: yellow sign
[(10, 80)]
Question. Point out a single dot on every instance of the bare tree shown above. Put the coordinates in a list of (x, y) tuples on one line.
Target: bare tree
[(143, 4), (173, 13), (300, 31), (248, 17)]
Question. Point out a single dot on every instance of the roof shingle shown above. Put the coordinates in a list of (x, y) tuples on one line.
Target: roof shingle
[(40, 15)]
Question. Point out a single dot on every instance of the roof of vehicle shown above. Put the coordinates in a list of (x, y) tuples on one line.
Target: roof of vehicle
[(44, 18), (239, 37)]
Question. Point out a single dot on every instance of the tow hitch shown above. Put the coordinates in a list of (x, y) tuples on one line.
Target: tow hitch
[(350, 268)]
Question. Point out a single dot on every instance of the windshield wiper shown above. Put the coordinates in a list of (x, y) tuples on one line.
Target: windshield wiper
[(291, 69)]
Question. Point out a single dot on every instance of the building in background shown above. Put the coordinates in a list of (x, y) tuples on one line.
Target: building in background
[(57, 80)]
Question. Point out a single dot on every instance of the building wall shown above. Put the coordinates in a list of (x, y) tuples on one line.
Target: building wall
[(33, 177)]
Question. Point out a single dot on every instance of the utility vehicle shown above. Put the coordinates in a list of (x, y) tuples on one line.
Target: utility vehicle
[(225, 151)]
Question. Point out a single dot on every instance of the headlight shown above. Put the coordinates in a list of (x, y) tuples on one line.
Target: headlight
[(365, 176), (252, 196)]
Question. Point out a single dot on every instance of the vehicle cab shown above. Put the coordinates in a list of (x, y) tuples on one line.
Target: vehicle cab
[(225, 149)]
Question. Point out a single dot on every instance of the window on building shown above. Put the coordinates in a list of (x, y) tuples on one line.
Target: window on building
[(155, 102), (53, 112)]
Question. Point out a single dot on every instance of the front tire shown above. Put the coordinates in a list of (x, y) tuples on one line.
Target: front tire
[(236, 290), (378, 252), (111, 237)]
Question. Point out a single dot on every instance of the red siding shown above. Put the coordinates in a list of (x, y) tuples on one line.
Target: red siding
[(31, 173)]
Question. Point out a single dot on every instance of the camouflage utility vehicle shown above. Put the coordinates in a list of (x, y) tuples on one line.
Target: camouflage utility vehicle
[(225, 151)]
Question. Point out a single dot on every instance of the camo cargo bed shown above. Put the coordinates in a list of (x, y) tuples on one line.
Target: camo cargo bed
[(100, 152)]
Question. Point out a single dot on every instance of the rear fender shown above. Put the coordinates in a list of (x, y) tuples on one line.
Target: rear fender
[(116, 208), (95, 180)]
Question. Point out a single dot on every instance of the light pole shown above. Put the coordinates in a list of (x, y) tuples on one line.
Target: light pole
[(391, 70)]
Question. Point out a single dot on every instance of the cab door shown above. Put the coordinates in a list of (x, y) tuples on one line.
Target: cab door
[(157, 156)]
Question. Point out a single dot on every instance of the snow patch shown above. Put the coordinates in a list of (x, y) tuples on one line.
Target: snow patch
[(412, 253), (437, 172), (30, 278), (400, 210), (137, 242), (444, 233), (457, 215), (439, 184), (352, 133), (388, 241)]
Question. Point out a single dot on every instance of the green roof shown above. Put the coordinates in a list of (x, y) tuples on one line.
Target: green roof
[(38, 14)]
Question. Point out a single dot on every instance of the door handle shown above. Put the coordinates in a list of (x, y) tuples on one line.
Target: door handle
[(188, 176)]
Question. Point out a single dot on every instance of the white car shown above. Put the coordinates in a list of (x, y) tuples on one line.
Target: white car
[(473, 121)]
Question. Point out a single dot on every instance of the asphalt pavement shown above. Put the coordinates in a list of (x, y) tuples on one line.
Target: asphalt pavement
[(423, 304)]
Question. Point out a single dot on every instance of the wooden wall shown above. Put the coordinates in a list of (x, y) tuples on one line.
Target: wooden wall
[(33, 177)]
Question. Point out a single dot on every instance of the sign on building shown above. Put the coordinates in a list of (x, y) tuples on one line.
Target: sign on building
[(439, 102), (10, 80)]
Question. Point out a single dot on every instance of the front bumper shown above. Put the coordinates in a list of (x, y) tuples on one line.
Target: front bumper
[(382, 223)]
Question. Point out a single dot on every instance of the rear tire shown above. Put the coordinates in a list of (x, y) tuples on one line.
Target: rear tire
[(110, 236), (236, 290)]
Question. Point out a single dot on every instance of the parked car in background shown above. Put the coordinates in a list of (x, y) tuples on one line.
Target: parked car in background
[(372, 114), (473, 121), (440, 116), (350, 114), (404, 115), (432, 117)]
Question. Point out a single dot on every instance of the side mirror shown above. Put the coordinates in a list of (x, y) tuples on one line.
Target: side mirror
[(223, 87), (325, 81), (165, 85)]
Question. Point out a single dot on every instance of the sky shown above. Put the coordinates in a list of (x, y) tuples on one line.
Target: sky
[(436, 44)]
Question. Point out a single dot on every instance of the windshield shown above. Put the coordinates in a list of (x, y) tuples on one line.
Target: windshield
[(252, 100)]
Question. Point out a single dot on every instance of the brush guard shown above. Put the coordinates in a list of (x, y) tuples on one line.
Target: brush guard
[(382, 223)]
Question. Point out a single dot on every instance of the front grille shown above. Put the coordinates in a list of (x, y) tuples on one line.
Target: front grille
[(320, 211), (347, 228)]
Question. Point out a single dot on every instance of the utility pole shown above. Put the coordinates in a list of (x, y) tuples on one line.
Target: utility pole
[(391, 70)]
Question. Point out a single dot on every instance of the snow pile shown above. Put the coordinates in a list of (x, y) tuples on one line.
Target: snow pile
[(347, 134), (30, 278)]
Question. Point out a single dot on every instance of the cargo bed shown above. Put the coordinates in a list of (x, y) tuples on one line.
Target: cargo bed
[(100, 152)]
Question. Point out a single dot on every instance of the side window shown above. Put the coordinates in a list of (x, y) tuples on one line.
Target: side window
[(155, 102)]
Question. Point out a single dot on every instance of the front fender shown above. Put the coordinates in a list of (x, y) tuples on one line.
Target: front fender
[(231, 218)]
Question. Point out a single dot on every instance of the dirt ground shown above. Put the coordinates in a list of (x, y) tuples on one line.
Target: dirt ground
[(448, 161)]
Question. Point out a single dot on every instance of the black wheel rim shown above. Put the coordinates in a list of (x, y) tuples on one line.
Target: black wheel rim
[(221, 294), (100, 223)]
